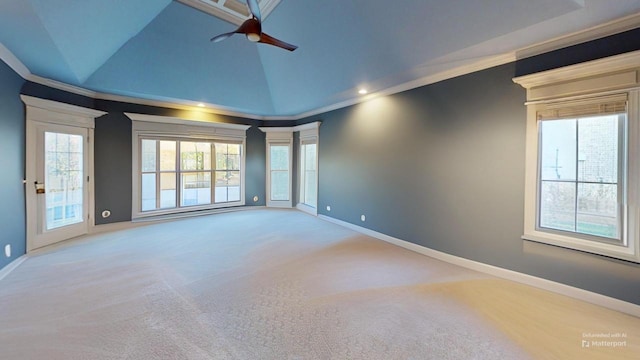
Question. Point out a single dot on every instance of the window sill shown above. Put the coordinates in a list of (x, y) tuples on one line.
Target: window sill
[(622, 252)]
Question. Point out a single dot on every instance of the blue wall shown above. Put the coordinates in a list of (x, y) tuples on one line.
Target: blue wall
[(12, 155), (442, 166), (112, 156)]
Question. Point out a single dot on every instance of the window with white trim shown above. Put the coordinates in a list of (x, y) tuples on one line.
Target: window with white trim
[(309, 173), (308, 167), (279, 142), (181, 165), (581, 162), (582, 181)]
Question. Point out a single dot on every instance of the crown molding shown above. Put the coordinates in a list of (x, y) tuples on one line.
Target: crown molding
[(55, 106), (610, 28), (613, 27), (587, 69), (183, 121), (13, 62)]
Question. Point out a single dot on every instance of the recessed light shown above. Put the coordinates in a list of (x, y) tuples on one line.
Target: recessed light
[(362, 91), (200, 105)]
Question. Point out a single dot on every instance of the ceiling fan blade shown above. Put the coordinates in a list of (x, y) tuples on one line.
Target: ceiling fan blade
[(255, 9), (266, 39), (221, 37)]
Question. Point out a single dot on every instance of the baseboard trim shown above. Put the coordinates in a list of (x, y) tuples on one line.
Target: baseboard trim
[(562, 289), (123, 225), (12, 266), (307, 209)]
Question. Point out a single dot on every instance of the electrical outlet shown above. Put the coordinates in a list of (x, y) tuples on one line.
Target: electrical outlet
[(363, 218), (328, 208)]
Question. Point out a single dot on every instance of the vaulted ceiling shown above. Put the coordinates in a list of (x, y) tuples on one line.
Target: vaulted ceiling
[(160, 49)]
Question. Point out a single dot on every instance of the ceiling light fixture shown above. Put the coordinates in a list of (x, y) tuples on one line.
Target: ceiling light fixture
[(200, 105), (362, 91)]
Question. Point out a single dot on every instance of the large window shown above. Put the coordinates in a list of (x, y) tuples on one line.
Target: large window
[(280, 172), (178, 169), (579, 179), (582, 180)]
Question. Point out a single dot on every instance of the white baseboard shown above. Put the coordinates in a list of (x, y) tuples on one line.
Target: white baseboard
[(308, 209), (12, 266), (577, 293)]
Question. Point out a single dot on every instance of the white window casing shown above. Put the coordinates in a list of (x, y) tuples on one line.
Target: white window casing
[(309, 135), (600, 87), (279, 137), (283, 136), (177, 129)]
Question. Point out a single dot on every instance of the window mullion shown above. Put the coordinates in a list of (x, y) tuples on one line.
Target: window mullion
[(575, 220), (212, 166)]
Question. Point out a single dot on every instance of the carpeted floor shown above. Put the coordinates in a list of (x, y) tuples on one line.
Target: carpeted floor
[(279, 284)]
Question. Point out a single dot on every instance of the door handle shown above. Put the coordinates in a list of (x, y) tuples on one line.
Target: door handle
[(39, 187)]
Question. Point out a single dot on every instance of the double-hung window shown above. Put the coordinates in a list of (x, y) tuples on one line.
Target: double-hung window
[(181, 165), (582, 181)]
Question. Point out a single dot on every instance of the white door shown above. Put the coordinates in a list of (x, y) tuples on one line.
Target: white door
[(57, 183)]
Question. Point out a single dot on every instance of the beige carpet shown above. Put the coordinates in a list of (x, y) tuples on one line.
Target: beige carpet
[(278, 284)]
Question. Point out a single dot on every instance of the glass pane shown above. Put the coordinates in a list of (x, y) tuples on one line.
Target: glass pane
[(280, 185), (148, 192), (558, 150), (221, 156), (167, 155), (310, 188), (234, 193), (167, 190), (196, 188), (598, 210), (64, 179), (598, 149), (279, 155), (557, 205), (195, 156), (148, 155), (222, 194), (228, 156), (310, 156)]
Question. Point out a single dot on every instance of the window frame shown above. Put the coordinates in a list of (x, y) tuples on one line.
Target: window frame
[(604, 77), (176, 129), (309, 134), (279, 137)]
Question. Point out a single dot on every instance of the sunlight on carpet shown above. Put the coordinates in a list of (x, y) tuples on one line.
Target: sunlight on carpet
[(279, 284)]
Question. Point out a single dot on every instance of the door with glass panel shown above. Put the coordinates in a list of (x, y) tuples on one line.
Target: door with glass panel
[(58, 195)]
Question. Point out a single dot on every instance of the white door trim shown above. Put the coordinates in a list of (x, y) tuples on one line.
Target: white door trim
[(40, 112)]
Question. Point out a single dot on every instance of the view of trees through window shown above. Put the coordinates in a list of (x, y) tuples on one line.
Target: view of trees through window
[(190, 167), (579, 175)]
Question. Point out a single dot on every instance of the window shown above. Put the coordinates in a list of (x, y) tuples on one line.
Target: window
[(279, 164), (309, 174), (280, 172), (178, 168), (582, 181), (279, 142), (581, 188), (308, 168)]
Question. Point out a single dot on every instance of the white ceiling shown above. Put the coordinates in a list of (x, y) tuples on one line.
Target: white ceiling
[(159, 50)]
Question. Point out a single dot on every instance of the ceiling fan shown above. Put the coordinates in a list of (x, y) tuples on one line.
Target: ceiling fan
[(252, 28)]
